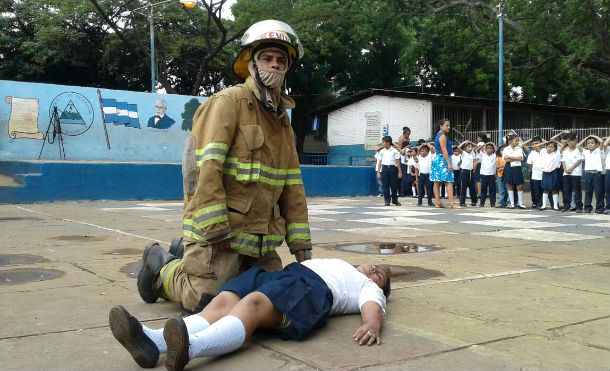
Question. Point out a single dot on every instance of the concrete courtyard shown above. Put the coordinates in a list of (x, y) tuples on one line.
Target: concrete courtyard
[(478, 289)]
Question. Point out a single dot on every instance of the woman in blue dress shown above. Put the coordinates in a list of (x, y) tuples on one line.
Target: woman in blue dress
[(442, 171)]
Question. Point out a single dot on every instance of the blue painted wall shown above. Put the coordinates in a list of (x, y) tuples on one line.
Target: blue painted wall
[(25, 111), (350, 155), (46, 181)]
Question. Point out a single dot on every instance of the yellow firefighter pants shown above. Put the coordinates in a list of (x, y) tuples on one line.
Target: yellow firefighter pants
[(203, 270)]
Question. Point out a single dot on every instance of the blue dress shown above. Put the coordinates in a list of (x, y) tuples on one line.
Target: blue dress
[(440, 170)]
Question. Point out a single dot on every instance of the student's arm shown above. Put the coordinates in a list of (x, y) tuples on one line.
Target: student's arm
[(378, 167), (371, 315), (576, 164), (579, 145), (606, 143), (399, 168)]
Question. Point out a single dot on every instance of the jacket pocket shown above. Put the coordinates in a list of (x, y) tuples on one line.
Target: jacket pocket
[(237, 209), (199, 261)]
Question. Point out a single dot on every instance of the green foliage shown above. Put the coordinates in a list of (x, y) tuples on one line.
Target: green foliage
[(189, 112)]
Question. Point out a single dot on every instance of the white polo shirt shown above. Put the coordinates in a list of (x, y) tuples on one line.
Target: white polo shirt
[(608, 158), (467, 160), (593, 159), (513, 152), (549, 161), (570, 157), (488, 163), (388, 157), (424, 164), (535, 159), (455, 161), (350, 288)]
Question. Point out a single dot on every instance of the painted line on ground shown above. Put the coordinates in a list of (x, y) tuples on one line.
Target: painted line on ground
[(495, 275), (93, 225)]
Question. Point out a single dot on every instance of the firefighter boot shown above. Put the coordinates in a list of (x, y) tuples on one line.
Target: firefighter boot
[(177, 247), (154, 258)]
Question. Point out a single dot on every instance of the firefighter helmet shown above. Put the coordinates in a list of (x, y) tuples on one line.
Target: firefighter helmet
[(272, 33)]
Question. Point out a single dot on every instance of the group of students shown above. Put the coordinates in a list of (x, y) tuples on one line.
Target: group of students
[(482, 171)]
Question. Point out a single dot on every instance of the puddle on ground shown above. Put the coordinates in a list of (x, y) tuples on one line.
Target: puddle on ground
[(79, 238), (401, 273), (20, 276), (19, 218), (124, 251), (20, 259), (387, 248), (132, 269)]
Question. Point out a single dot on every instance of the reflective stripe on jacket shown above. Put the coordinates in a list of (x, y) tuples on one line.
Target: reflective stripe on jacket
[(241, 174)]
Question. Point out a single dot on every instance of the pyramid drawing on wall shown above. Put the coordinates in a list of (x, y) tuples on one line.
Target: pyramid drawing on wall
[(70, 115)]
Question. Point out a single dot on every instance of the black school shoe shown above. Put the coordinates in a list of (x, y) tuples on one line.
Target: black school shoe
[(177, 339), (430, 203), (396, 203), (128, 331), (599, 211)]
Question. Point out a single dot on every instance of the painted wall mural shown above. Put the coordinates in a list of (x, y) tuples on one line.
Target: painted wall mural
[(96, 124)]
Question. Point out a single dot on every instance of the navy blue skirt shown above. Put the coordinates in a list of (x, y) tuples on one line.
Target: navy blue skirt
[(551, 180), (296, 291), (513, 175)]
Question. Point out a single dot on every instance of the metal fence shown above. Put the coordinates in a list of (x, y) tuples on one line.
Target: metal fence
[(525, 134), (321, 159)]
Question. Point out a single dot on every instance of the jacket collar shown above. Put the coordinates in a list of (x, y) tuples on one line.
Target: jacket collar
[(285, 101)]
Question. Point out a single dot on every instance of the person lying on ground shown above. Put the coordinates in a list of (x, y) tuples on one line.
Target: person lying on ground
[(263, 300)]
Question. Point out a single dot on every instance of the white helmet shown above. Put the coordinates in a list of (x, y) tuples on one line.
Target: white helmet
[(270, 32)]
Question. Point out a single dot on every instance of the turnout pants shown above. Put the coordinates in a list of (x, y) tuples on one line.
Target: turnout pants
[(488, 184), (467, 180), (200, 273), (572, 184)]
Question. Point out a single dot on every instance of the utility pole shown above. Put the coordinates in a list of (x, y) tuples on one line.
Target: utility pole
[(500, 73)]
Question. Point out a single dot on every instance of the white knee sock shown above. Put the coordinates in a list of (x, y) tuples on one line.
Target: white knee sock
[(413, 190), (194, 324), (545, 198), (222, 337), (520, 195), (556, 201), (511, 197)]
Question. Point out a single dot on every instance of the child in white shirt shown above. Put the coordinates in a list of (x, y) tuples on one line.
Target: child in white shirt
[(487, 160), (513, 155), (571, 163), (466, 174), (534, 165), (606, 147), (551, 165), (455, 164), (424, 164), (593, 179), (389, 171)]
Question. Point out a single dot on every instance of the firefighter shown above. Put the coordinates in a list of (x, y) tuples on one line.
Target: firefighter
[(243, 192)]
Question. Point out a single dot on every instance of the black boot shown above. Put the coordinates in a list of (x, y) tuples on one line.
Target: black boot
[(154, 258), (128, 331), (177, 247)]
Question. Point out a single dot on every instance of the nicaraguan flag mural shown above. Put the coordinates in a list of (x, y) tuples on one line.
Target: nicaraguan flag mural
[(120, 113)]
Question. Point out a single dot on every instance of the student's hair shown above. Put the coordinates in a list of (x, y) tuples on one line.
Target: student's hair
[(552, 144), (489, 145), (426, 148), (406, 128), (421, 141), (499, 151), (404, 144), (510, 137), (570, 136), (593, 139), (386, 288), (484, 138), (387, 139), (537, 138), (440, 123)]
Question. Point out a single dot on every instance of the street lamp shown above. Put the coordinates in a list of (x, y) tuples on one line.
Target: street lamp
[(149, 7)]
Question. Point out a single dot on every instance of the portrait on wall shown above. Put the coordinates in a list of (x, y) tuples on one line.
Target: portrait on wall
[(160, 120)]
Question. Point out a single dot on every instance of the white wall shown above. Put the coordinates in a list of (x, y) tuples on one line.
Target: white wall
[(347, 125)]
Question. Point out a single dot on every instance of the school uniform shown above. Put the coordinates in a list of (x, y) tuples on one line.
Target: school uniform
[(572, 182), (424, 165), (550, 163), (513, 174), (467, 178), (378, 180), (405, 186), (455, 164), (593, 179), (389, 173), (412, 171), (607, 181), (534, 158), (488, 177)]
